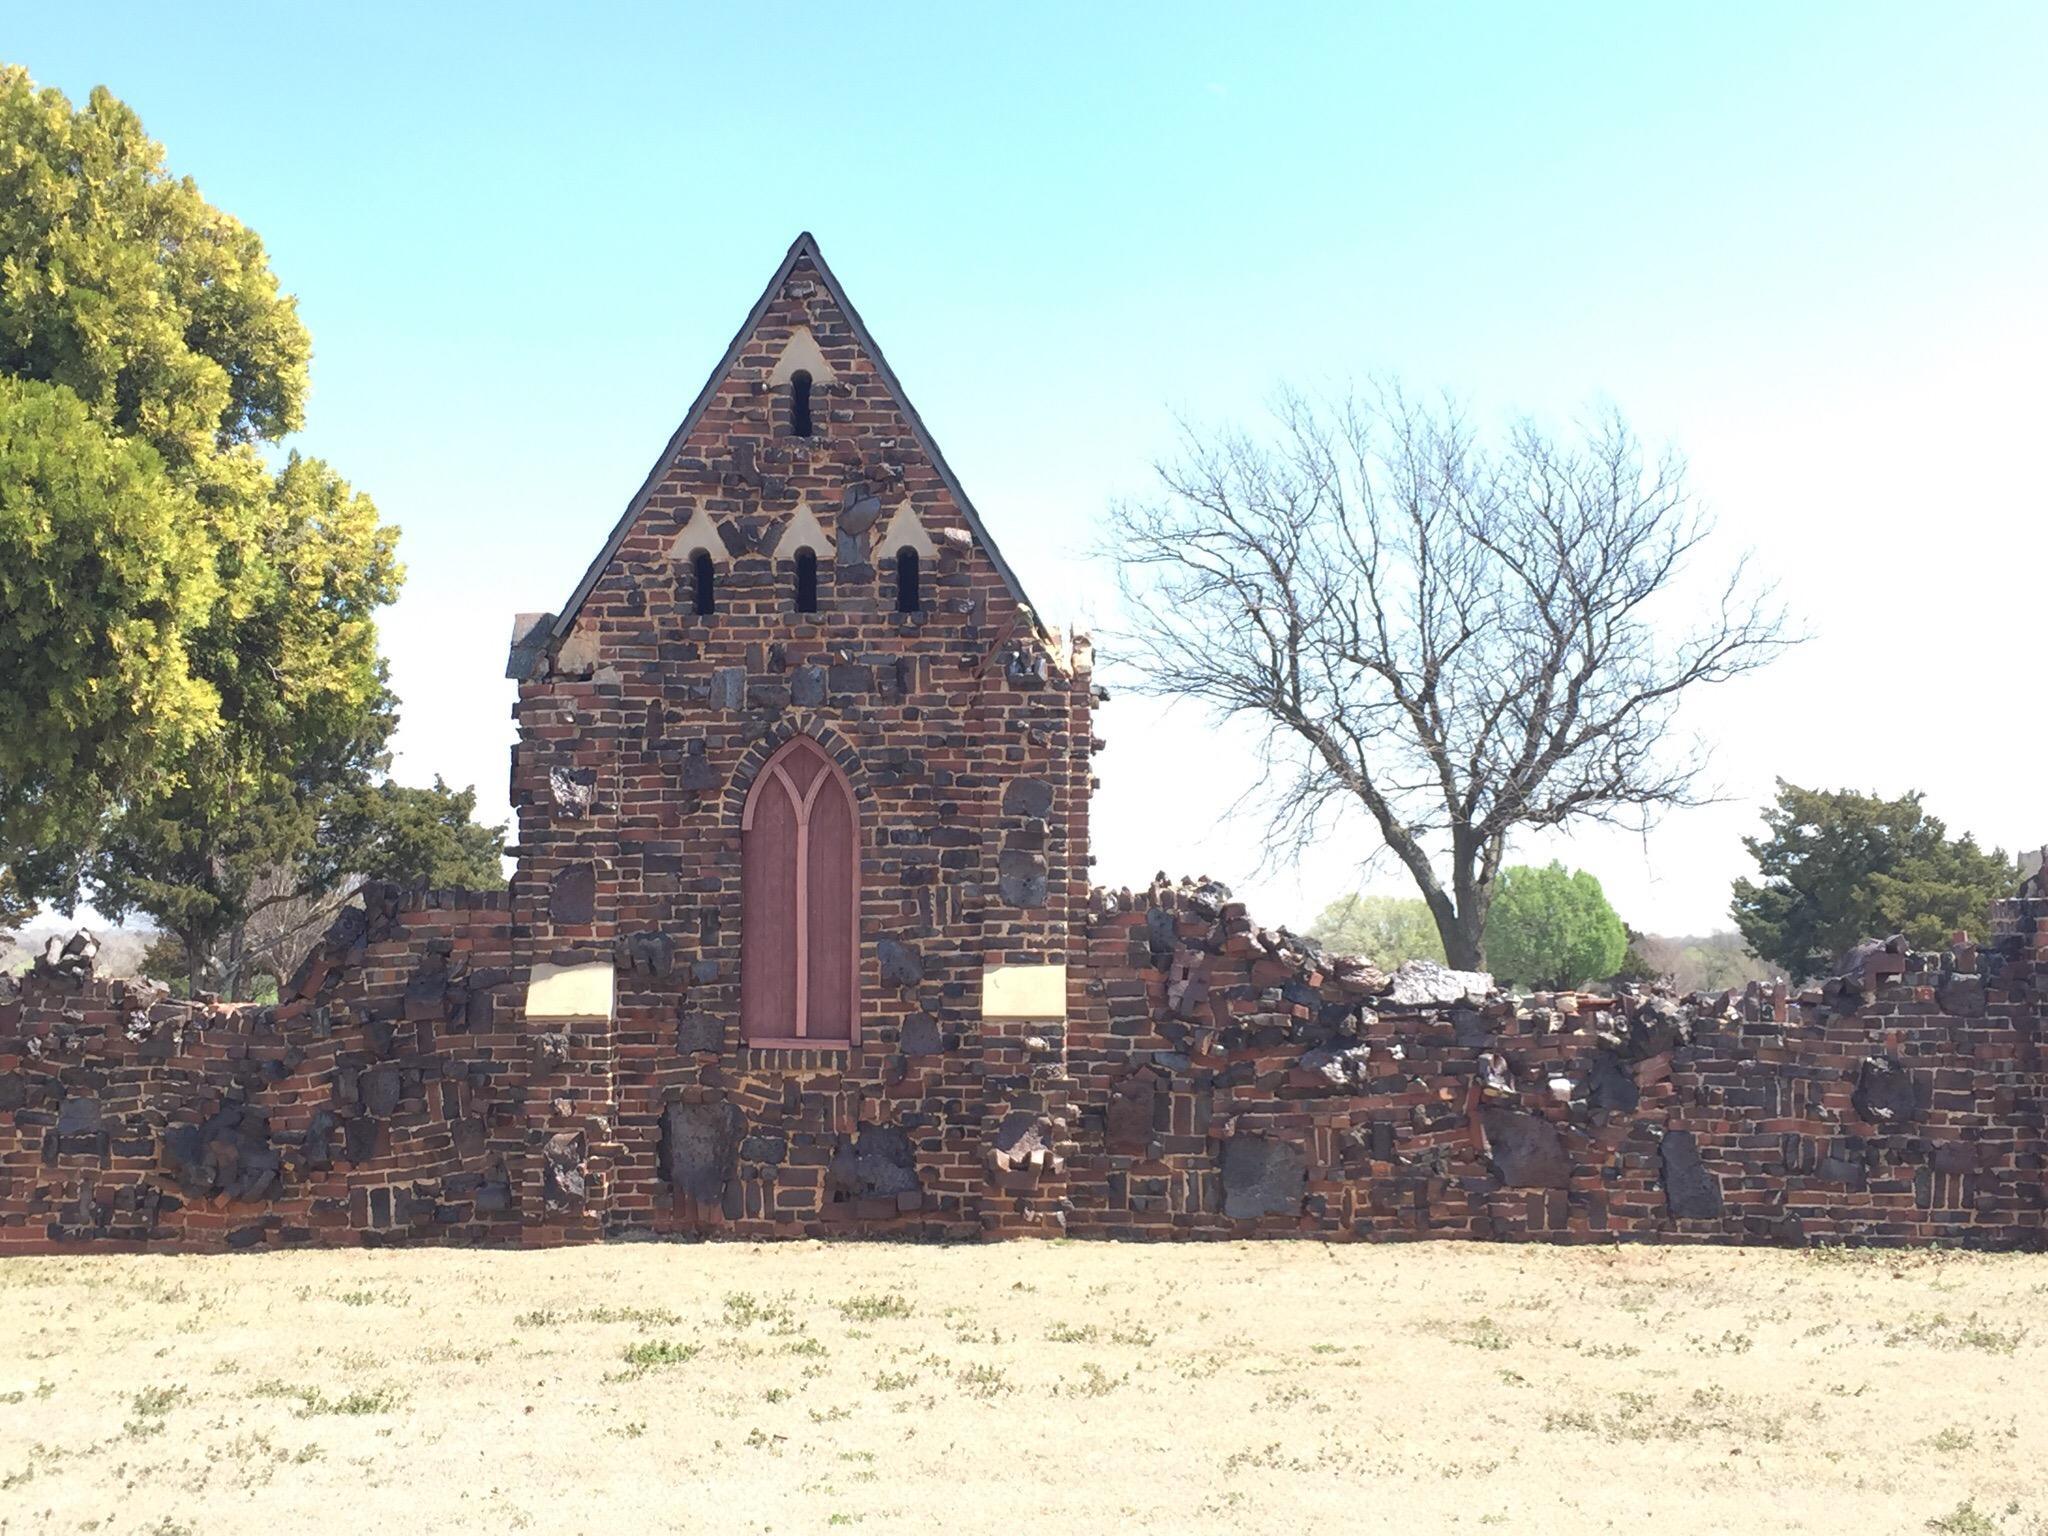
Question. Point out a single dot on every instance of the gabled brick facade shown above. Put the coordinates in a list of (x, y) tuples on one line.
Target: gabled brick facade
[(962, 727)]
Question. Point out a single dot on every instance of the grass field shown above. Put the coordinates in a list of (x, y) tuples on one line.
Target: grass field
[(1269, 1387)]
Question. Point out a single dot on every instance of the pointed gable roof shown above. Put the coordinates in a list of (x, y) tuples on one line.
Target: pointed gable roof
[(804, 246)]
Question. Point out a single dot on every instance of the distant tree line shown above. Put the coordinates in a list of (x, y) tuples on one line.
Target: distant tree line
[(1836, 868), (1548, 928)]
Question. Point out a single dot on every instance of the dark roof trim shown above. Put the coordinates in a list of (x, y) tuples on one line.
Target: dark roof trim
[(804, 245)]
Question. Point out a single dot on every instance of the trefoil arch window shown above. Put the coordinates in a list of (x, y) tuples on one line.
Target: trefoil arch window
[(800, 902)]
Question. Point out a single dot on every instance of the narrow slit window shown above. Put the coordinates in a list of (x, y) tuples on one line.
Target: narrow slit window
[(702, 599), (909, 593), (799, 404), (806, 581)]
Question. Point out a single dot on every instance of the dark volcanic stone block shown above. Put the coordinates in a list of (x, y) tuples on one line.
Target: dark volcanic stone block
[(572, 897), (879, 1162), (699, 1032), (426, 995), (699, 772), (1690, 1191), (382, 1089), (1886, 1094), (1262, 1177), (1027, 797), (79, 1117), (1610, 1085), (698, 1145), (921, 1036), (1349, 1067), (1021, 877), (647, 954), (900, 964), (1526, 1150), (563, 1185)]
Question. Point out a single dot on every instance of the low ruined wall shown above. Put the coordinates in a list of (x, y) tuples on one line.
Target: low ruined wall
[(1213, 1080), (1232, 1081), (394, 1092)]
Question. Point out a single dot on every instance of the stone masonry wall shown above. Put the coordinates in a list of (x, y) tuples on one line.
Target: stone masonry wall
[(1231, 1081), (395, 1094), (1220, 1081)]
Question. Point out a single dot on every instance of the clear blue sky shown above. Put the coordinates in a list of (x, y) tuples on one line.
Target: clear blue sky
[(1807, 243)]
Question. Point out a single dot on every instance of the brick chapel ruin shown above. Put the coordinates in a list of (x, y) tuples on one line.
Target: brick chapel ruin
[(801, 942)]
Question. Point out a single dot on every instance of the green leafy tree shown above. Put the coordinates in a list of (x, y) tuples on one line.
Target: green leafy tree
[(1385, 929), (384, 831), (1839, 867), (417, 837), (125, 286), (304, 717), (125, 293), (1550, 928), (105, 578)]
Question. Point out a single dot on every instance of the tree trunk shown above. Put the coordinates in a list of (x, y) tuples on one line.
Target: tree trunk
[(233, 983), (1464, 943), (1464, 935)]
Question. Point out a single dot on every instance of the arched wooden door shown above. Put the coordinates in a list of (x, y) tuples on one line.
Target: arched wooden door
[(799, 902)]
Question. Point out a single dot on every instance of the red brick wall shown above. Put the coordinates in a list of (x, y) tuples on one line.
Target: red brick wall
[(395, 1094), (399, 1096)]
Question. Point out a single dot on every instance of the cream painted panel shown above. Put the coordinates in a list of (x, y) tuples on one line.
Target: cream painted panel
[(555, 992), (803, 531), (1024, 992), (801, 355)]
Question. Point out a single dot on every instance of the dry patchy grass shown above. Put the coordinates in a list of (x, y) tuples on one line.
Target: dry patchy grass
[(1242, 1387)]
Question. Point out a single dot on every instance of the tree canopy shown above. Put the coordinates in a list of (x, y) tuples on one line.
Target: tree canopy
[(414, 836), (1839, 867), (124, 285), (370, 831), (1385, 929), (304, 717), (1550, 928), (1462, 642), (106, 580), (192, 704), (185, 630)]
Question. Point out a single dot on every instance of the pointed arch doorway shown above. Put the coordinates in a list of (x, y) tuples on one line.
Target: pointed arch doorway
[(800, 902)]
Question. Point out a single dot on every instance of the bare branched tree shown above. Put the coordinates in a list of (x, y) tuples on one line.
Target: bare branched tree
[(286, 917), (1465, 642)]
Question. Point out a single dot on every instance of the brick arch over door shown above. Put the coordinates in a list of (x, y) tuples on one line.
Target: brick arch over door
[(800, 902)]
